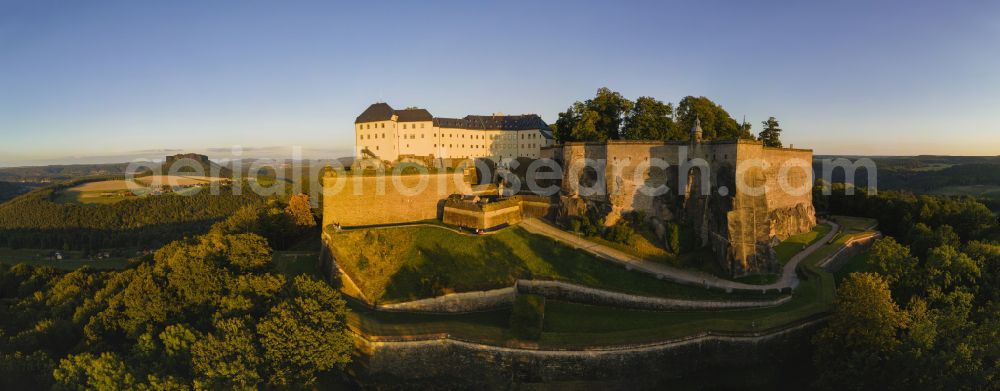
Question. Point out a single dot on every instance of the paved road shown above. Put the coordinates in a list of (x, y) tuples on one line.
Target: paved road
[(788, 276)]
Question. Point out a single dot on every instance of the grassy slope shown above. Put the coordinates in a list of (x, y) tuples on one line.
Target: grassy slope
[(794, 244), (407, 263), (857, 264), (850, 224), (569, 325)]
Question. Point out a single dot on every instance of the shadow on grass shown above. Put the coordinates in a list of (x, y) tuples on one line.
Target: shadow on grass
[(437, 270)]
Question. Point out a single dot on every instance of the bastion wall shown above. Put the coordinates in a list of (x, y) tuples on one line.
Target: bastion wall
[(357, 200)]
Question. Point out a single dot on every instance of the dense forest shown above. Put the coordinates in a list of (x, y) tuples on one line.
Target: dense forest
[(9, 190), (925, 311), (922, 174), (611, 116), (59, 173), (35, 220), (208, 312)]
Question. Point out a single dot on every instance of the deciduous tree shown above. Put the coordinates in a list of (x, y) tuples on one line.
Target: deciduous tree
[(651, 119), (861, 336)]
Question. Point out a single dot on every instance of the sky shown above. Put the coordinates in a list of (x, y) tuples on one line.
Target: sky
[(109, 81)]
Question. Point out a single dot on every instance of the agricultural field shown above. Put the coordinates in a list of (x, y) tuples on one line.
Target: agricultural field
[(111, 191), (394, 264)]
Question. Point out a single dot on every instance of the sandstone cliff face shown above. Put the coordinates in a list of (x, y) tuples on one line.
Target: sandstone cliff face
[(741, 227)]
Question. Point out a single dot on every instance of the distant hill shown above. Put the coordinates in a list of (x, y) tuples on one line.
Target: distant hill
[(193, 163), (36, 220), (59, 173), (975, 176), (9, 190)]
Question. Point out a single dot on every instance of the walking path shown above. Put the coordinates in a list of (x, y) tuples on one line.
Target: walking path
[(690, 277)]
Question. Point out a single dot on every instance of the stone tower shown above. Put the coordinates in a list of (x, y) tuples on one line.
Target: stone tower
[(696, 131)]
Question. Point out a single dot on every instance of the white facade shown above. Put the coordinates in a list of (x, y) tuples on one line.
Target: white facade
[(391, 138)]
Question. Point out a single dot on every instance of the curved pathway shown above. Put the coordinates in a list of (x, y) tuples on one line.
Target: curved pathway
[(788, 277)]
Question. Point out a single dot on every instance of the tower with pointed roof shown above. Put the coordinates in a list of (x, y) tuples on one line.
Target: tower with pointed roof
[(696, 131)]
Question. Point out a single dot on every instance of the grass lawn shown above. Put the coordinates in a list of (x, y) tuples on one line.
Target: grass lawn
[(857, 264), (850, 224), (795, 244), (488, 326), (407, 263), (72, 260), (759, 279), (645, 247)]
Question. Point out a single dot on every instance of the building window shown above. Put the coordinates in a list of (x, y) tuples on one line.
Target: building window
[(383, 125), (376, 147), (421, 135), (404, 126), (383, 135), (421, 126)]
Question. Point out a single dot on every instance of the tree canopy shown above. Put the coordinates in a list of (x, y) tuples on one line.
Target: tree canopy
[(209, 311), (945, 337), (610, 116), (771, 134)]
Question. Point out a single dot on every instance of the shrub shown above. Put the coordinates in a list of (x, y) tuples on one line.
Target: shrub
[(621, 232), (674, 237), (574, 225), (527, 316)]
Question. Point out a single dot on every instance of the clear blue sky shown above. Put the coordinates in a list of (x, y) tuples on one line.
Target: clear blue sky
[(100, 81)]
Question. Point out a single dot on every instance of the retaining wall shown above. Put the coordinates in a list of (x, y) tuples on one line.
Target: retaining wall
[(850, 248), (779, 358), (558, 290), (457, 302)]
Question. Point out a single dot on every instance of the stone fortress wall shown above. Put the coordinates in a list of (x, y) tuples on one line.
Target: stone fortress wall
[(440, 361), (739, 197), (359, 200), (740, 225)]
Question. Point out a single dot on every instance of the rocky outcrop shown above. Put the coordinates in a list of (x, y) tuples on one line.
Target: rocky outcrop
[(786, 222), (717, 200)]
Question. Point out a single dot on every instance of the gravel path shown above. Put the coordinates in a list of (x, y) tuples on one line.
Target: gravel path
[(691, 277)]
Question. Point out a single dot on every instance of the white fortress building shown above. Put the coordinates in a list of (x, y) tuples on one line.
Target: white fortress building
[(389, 134)]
